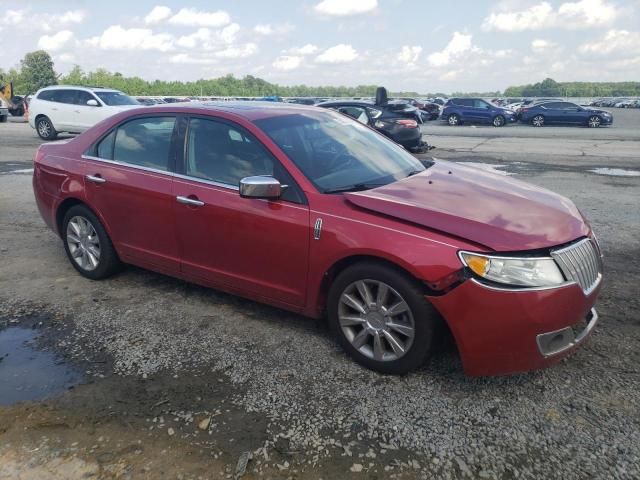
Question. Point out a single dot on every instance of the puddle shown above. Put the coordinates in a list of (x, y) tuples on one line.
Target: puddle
[(489, 167), (27, 373), (616, 172)]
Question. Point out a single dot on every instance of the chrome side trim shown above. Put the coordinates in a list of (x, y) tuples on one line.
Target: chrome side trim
[(317, 229), (521, 289), (577, 339), (206, 182), (385, 228)]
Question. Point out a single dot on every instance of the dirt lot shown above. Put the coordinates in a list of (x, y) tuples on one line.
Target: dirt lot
[(179, 381)]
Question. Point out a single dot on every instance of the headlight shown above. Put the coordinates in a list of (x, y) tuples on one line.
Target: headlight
[(517, 272)]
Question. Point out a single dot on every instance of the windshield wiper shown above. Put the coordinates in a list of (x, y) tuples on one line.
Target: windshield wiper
[(358, 187)]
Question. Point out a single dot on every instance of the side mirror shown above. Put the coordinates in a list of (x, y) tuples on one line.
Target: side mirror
[(263, 186), (93, 103)]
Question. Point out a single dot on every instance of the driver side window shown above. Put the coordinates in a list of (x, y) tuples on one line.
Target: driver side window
[(223, 153)]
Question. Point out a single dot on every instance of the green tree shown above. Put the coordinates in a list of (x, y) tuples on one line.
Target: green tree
[(37, 71)]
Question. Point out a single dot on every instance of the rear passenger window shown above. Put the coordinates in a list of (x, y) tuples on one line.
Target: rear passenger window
[(145, 142), (46, 95), (105, 147)]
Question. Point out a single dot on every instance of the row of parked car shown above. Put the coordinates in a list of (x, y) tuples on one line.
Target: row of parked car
[(616, 102)]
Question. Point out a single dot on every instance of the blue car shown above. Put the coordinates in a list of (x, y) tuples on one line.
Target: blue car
[(546, 113), (476, 110)]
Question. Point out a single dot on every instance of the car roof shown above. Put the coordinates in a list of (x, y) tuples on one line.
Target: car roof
[(332, 103), (75, 87), (250, 110)]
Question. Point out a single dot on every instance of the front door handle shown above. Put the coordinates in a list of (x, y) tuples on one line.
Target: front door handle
[(95, 178), (189, 201)]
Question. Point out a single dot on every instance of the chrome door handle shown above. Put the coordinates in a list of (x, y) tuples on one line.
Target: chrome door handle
[(95, 179), (189, 201)]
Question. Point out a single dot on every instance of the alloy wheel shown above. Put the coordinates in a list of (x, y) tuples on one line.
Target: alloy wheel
[(538, 121), (453, 119), (594, 121), (376, 320), (44, 129), (498, 121), (83, 243)]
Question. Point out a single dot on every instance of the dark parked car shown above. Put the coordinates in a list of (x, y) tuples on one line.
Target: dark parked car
[(428, 110), (390, 249), (546, 113), (476, 110), (395, 119), (18, 106)]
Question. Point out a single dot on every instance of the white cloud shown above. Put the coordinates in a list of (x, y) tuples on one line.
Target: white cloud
[(206, 39), (539, 45), (338, 54), (343, 8), (307, 49), (287, 62), (185, 58), (56, 41), (117, 38), (198, 18), (158, 14), (238, 52), (13, 17), (410, 55), (42, 21), (459, 44), (268, 29), (65, 57), (569, 15), (614, 41)]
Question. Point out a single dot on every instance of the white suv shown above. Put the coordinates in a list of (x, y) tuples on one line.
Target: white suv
[(65, 108)]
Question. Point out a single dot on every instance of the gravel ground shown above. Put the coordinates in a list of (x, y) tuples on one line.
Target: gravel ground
[(163, 359)]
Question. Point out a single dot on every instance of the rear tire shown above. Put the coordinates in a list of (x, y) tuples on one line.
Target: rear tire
[(453, 120), (391, 332), (87, 244), (4, 119), (537, 121), (45, 129)]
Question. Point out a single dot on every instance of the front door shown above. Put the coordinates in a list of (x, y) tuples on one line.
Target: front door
[(129, 182), (249, 246)]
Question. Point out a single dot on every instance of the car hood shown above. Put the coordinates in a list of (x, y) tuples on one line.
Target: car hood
[(595, 110), (493, 210)]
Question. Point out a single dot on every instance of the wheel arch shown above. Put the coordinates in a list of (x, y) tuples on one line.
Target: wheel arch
[(443, 330), (69, 202), (343, 263)]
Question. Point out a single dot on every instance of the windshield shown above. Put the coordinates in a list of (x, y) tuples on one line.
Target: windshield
[(337, 153), (116, 98)]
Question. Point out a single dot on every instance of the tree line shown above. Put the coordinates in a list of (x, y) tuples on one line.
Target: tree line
[(550, 88), (36, 70)]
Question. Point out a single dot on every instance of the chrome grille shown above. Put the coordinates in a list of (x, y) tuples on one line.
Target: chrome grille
[(580, 263)]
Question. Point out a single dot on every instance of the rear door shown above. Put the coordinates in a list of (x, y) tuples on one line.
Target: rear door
[(129, 183), (249, 246), (467, 109), (61, 109)]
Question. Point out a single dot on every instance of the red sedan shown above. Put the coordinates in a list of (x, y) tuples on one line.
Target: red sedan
[(308, 210)]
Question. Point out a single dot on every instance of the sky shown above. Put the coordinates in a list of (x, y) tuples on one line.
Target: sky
[(409, 45)]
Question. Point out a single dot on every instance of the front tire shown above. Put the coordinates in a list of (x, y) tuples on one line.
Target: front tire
[(594, 121), (453, 119), (45, 129), (87, 244), (381, 319), (498, 121), (537, 121)]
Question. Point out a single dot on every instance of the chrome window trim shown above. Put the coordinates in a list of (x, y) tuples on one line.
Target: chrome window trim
[(164, 172), (499, 257)]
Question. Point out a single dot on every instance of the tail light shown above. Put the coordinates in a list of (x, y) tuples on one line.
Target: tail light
[(407, 123)]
